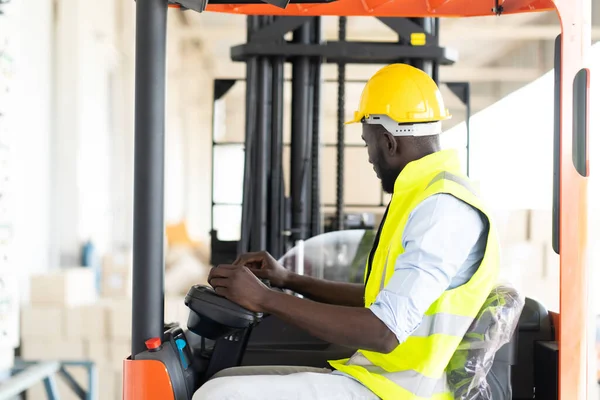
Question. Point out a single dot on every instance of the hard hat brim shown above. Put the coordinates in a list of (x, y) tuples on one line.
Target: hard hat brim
[(357, 118)]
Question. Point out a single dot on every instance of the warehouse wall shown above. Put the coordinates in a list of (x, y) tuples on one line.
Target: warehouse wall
[(32, 167), (84, 61)]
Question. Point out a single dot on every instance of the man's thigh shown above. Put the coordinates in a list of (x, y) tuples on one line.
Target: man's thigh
[(296, 386)]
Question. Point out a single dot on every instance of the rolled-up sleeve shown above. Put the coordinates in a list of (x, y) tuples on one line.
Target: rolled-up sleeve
[(440, 237)]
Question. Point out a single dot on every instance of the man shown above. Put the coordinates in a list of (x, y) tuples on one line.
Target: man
[(433, 264)]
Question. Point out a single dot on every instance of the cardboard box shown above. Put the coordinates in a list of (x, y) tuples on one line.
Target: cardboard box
[(119, 383), (119, 258), (97, 350), (74, 322), (44, 322), (117, 271), (119, 319), (39, 349), (96, 320), (118, 351), (87, 321), (117, 281), (67, 287), (107, 384)]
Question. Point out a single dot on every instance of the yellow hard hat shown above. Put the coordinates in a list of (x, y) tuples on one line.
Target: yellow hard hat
[(403, 93)]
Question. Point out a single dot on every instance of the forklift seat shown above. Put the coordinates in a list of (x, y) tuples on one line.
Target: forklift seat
[(481, 367)]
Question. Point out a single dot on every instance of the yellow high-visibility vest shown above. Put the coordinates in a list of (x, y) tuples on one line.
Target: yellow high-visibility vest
[(416, 368)]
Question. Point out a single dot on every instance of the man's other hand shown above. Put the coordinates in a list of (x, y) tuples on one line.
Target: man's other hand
[(264, 266), (239, 285)]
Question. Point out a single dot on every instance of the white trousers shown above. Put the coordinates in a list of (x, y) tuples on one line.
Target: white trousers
[(282, 383)]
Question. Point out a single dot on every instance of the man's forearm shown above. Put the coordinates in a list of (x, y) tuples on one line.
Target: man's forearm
[(339, 293), (355, 327)]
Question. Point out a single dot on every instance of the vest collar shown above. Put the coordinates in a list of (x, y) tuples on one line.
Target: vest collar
[(417, 170)]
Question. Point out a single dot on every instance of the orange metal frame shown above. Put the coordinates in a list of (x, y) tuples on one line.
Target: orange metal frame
[(147, 380), (575, 16), (392, 8)]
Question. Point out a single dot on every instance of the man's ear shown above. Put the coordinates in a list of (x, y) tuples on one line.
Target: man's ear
[(391, 145)]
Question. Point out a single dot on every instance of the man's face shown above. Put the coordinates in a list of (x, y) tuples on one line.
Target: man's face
[(378, 147)]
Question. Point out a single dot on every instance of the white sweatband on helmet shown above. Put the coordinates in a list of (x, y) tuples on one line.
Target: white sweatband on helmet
[(398, 129)]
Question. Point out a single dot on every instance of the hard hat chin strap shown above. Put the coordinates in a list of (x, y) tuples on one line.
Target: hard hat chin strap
[(401, 129)]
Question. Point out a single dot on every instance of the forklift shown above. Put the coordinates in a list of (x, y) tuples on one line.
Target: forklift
[(546, 358)]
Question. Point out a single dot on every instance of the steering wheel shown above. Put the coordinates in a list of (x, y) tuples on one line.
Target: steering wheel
[(213, 316)]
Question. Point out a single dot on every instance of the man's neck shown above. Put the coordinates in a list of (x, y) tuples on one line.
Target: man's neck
[(417, 155)]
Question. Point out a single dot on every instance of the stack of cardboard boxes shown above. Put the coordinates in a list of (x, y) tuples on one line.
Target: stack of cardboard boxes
[(66, 320)]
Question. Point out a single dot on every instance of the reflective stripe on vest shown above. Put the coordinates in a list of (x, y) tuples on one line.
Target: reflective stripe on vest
[(416, 383), (454, 178)]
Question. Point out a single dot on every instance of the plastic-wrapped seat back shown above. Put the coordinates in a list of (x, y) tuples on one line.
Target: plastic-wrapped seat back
[(493, 327)]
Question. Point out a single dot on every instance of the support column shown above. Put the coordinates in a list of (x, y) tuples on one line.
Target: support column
[(276, 191), (300, 137), (262, 171), (148, 211)]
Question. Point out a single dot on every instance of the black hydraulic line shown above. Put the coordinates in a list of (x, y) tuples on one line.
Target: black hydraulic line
[(315, 220), (341, 111), (307, 184), (251, 96), (149, 153), (307, 169), (276, 185), (261, 172), (300, 131)]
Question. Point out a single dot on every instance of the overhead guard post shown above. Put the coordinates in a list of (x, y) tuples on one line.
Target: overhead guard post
[(556, 153), (148, 200)]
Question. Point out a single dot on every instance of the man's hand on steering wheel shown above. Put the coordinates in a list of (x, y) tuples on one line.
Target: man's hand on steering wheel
[(239, 285), (264, 266)]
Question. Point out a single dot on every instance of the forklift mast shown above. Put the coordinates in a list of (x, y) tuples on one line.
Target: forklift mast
[(273, 222), (225, 251)]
